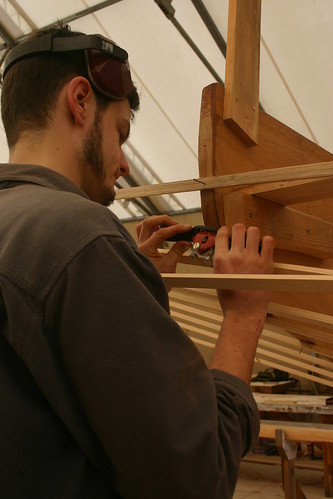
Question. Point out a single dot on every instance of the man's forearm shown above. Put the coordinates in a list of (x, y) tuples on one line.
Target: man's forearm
[(236, 346)]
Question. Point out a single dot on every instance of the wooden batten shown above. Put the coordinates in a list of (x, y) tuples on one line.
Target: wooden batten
[(288, 341), (289, 283), (231, 182)]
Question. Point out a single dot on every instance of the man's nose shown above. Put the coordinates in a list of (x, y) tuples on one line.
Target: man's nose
[(124, 166)]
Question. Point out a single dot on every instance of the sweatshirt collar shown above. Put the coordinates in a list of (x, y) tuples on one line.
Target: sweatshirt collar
[(36, 174)]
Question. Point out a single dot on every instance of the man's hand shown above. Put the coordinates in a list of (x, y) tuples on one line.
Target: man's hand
[(244, 310), (243, 257), (152, 232)]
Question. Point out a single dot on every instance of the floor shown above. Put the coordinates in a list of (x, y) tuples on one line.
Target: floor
[(263, 481)]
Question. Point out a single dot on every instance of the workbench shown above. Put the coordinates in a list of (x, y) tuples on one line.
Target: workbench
[(294, 432)]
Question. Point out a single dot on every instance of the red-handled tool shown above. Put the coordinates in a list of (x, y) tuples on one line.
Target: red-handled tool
[(202, 239)]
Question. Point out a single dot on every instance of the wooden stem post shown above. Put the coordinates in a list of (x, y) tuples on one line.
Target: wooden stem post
[(241, 103)]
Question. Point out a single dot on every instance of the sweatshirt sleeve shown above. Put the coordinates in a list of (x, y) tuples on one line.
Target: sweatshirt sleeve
[(169, 426)]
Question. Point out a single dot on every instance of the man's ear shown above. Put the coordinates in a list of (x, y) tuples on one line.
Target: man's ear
[(79, 96)]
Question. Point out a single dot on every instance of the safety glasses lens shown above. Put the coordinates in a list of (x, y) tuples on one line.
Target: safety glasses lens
[(110, 76)]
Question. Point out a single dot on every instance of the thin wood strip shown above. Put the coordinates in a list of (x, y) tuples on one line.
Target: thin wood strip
[(307, 336), (299, 172), (202, 342), (317, 349), (297, 345), (190, 315), (195, 297), (267, 348), (201, 300), (302, 283), (302, 371), (205, 300), (291, 355), (279, 268), (195, 313), (302, 332), (261, 360), (315, 318), (202, 327), (291, 370), (294, 356)]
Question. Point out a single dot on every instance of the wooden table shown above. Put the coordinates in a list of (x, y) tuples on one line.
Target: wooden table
[(304, 404)]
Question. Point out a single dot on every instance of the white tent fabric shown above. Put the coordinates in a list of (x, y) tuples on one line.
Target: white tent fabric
[(296, 75)]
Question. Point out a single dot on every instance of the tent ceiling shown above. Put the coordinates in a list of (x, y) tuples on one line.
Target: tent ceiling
[(296, 75)]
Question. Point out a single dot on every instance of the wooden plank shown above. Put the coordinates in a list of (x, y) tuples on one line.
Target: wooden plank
[(301, 432), (234, 180), (241, 104), (304, 283), (293, 191), (291, 229)]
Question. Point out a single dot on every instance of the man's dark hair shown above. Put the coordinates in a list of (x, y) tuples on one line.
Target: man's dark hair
[(31, 87)]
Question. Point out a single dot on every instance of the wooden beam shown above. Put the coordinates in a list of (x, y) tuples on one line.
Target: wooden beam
[(293, 191), (303, 283), (241, 103), (234, 180), (292, 229)]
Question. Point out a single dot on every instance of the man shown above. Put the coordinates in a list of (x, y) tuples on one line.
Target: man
[(102, 394)]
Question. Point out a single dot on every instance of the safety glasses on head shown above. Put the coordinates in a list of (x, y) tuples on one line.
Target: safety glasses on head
[(107, 63)]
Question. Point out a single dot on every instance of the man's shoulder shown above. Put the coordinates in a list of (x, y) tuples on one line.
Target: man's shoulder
[(42, 229)]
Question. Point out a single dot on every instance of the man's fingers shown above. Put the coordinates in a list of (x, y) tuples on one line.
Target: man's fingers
[(267, 247), (222, 240), (252, 239), (238, 235), (161, 227)]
